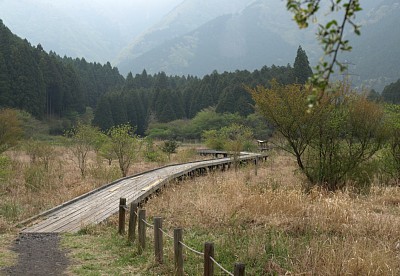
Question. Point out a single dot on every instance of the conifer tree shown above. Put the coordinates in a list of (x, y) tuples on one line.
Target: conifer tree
[(301, 68), (102, 115)]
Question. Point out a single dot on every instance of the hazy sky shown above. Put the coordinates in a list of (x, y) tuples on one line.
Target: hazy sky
[(63, 25)]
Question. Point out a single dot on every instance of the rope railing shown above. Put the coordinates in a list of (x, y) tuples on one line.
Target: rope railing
[(166, 234), (139, 215), (148, 224), (221, 267), (192, 249)]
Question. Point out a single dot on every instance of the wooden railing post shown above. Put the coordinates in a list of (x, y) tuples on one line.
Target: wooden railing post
[(132, 221), (178, 252), (238, 270), (208, 263), (158, 240), (122, 208), (256, 165), (141, 230)]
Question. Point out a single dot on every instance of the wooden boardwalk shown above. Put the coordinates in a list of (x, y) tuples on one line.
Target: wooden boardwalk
[(96, 206)]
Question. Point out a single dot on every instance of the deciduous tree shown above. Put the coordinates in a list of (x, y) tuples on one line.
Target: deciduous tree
[(126, 146), (84, 138), (333, 140)]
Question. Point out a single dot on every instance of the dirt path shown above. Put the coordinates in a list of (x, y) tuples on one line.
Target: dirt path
[(38, 254)]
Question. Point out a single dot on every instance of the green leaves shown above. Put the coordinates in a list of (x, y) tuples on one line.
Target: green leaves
[(333, 140), (330, 35), (125, 144)]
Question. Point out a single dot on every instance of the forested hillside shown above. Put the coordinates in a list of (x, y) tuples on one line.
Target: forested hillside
[(45, 85), (48, 86), (391, 93), (145, 99)]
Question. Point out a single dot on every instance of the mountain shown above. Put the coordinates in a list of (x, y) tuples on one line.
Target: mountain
[(186, 17), (47, 86), (376, 55), (229, 42), (262, 33), (198, 36), (96, 30)]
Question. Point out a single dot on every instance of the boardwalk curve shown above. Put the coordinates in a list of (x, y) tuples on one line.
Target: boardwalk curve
[(96, 206)]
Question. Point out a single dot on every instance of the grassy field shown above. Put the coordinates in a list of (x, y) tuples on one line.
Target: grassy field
[(265, 221)]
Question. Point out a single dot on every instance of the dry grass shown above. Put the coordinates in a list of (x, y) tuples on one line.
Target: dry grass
[(265, 221), (32, 187), (319, 233)]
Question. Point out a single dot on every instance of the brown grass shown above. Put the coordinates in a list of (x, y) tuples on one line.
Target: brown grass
[(324, 233), (32, 188), (266, 221)]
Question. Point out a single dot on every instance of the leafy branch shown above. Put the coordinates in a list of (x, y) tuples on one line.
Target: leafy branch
[(330, 35)]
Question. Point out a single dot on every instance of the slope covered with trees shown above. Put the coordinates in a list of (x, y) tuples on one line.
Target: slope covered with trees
[(50, 87), (46, 85), (159, 98), (391, 93)]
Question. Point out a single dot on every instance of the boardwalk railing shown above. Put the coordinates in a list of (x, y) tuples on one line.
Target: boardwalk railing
[(139, 215)]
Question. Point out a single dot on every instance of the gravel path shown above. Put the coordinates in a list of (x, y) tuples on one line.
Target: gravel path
[(38, 254)]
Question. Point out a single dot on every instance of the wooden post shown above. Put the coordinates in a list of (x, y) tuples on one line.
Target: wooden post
[(141, 230), (132, 222), (239, 269), (122, 208), (208, 263), (256, 166), (178, 252), (158, 240)]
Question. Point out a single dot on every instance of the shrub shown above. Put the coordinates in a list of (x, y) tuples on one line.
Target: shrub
[(333, 140)]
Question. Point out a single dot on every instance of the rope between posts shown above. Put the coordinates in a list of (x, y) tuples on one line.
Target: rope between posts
[(148, 224), (220, 266), (166, 234), (191, 249)]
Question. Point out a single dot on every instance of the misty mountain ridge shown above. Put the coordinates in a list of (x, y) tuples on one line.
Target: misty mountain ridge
[(90, 29), (199, 36), (186, 17), (263, 33)]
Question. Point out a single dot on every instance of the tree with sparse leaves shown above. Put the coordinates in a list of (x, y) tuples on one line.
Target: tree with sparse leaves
[(126, 146), (84, 138), (334, 140)]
